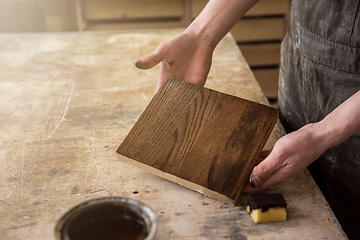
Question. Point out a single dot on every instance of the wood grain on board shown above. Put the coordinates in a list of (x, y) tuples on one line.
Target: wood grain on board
[(199, 138)]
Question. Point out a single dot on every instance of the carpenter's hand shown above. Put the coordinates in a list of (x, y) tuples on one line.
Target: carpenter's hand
[(291, 154), (184, 56)]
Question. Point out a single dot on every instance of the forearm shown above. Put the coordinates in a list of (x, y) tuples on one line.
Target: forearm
[(217, 19), (341, 123)]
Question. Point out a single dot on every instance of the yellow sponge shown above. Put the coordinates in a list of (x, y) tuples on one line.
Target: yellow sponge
[(267, 207)]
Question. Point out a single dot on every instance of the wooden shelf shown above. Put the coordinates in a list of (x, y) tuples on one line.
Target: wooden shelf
[(258, 34), (259, 29), (262, 8), (261, 54), (268, 80), (134, 25)]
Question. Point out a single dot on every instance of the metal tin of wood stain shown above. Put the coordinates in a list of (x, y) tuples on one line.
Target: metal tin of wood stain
[(107, 218)]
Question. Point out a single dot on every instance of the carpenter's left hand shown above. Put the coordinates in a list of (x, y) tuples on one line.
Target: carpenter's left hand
[(291, 154)]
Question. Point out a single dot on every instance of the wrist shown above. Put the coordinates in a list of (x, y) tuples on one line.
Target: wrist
[(203, 34), (330, 133), (217, 19), (342, 122)]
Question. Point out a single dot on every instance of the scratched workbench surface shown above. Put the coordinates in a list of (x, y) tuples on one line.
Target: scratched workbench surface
[(67, 100)]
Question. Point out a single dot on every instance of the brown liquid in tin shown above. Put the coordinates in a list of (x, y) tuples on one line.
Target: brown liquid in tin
[(110, 229)]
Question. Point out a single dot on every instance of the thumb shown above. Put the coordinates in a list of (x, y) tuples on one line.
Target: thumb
[(150, 60), (265, 174)]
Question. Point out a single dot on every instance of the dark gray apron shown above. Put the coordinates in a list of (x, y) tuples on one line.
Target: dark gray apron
[(320, 68)]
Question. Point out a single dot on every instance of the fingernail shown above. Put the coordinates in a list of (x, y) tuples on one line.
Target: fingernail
[(254, 180), (138, 63), (251, 182)]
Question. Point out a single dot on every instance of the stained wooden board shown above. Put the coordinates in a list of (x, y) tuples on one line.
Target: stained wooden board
[(208, 140)]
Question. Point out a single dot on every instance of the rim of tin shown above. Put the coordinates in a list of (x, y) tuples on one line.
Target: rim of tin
[(148, 215)]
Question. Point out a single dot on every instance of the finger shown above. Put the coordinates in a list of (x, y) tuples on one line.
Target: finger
[(264, 170), (164, 73), (149, 61), (275, 179), (160, 82)]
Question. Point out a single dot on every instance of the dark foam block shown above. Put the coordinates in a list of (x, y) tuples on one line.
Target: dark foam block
[(266, 201)]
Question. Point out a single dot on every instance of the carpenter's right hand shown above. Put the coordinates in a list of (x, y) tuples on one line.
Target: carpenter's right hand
[(184, 56)]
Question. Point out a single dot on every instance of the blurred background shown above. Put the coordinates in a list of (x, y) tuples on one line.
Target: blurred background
[(258, 34)]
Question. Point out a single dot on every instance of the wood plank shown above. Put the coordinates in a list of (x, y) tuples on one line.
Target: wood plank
[(259, 29), (60, 15), (270, 7), (200, 138), (37, 16), (21, 17), (187, 17), (131, 9), (264, 54), (262, 8), (269, 81), (197, 6), (133, 25)]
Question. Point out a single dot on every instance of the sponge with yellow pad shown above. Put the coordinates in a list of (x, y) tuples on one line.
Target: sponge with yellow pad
[(267, 207)]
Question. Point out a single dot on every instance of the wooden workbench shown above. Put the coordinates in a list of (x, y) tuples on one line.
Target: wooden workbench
[(67, 100)]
